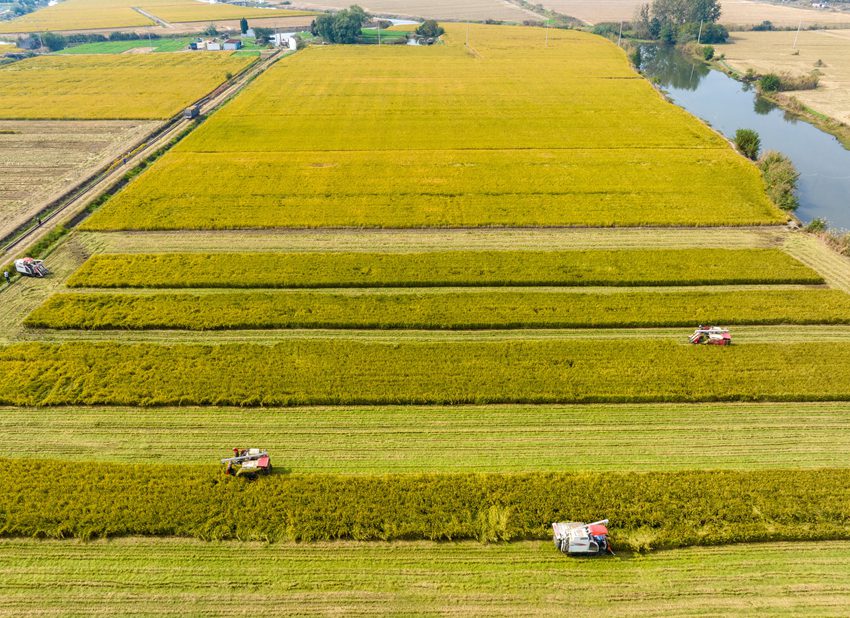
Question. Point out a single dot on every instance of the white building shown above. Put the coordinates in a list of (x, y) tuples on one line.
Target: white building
[(285, 39)]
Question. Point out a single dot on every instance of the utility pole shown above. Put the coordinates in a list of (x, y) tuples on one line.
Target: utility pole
[(620, 36), (699, 36), (547, 34), (796, 36)]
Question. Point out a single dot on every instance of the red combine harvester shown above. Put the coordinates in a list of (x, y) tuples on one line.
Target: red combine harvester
[(576, 538), (31, 268), (249, 462), (711, 335)]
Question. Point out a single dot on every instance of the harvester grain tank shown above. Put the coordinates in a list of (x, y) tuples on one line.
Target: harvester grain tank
[(249, 462), (31, 268), (576, 538), (711, 335)]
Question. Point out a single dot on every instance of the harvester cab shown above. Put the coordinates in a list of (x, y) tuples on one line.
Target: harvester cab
[(31, 268), (250, 462), (711, 335), (576, 538)]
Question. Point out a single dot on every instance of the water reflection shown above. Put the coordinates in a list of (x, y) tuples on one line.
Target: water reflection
[(728, 105)]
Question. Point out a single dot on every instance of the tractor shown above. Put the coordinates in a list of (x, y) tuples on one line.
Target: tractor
[(711, 335), (576, 538), (247, 462)]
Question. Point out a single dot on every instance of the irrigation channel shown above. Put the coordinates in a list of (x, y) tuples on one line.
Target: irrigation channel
[(729, 105)]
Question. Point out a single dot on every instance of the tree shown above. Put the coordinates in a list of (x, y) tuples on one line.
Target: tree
[(707, 11), (210, 30), (342, 27), (748, 143), (53, 41), (781, 178), (430, 28), (262, 35), (708, 52), (243, 25), (770, 83)]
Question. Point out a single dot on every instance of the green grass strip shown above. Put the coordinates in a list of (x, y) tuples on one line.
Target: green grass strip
[(441, 310), (340, 371), (148, 575), (646, 511), (629, 267), (381, 440)]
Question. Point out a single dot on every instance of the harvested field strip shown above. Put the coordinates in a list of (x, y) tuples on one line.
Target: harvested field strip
[(421, 240), (338, 371), (463, 189), (436, 309), (648, 511), (448, 268), (139, 86), (815, 253), (649, 437), (176, 577)]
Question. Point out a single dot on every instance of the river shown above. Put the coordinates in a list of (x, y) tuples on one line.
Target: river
[(728, 105)]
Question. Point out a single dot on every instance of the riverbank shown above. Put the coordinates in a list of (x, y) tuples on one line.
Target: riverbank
[(823, 53)]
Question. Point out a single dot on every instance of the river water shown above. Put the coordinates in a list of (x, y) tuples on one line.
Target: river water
[(728, 105)]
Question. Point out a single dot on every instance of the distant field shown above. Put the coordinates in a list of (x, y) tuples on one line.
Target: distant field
[(735, 12), (41, 159), (175, 577), (443, 268), (476, 10), (326, 371), (579, 139), (110, 87), (100, 14), (438, 309), (767, 52), (369, 440), (118, 47)]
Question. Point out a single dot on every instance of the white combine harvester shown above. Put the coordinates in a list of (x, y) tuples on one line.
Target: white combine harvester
[(31, 268), (576, 538)]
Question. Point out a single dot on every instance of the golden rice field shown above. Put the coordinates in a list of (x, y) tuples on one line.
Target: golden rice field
[(511, 133), (99, 14), (111, 87)]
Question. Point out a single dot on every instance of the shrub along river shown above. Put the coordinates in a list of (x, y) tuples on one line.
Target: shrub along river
[(729, 105)]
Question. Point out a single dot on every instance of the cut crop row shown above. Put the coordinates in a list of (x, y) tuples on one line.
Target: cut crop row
[(646, 511), (438, 310), (340, 371), (444, 268), (395, 439)]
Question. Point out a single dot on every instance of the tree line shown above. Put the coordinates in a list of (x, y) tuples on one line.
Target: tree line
[(680, 21)]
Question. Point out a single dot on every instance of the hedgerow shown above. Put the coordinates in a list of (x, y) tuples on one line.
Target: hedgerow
[(439, 310), (457, 268), (646, 511), (350, 372)]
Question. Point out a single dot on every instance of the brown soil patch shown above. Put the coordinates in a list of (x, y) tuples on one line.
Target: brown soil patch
[(767, 52), (140, 50), (40, 160)]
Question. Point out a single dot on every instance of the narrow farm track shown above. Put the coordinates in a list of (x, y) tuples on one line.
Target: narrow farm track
[(173, 577), (381, 440)]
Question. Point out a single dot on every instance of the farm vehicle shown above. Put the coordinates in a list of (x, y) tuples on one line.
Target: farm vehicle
[(31, 268), (576, 538), (711, 335), (248, 462)]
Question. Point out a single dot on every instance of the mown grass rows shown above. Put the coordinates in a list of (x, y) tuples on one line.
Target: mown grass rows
[(179, 577), (442, 310), (405, 439), (444, 268), (341, 371), (647, 511)]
